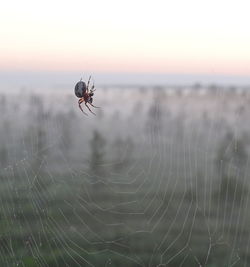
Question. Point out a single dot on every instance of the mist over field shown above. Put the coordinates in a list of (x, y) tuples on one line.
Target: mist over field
[(159, 177)]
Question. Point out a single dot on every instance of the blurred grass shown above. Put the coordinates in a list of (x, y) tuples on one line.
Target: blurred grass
[(72, 229)]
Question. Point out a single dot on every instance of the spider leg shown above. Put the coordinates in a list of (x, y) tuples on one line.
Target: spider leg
[(88, 83), (89, 108), (79, 103), (93, 86), (94, 106)]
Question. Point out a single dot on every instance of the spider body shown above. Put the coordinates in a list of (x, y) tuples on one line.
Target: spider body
[(82, 91)]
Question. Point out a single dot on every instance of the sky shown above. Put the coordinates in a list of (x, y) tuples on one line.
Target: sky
[(176, 36)]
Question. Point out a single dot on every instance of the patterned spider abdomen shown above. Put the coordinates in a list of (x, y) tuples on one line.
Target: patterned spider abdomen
[(80, 89)]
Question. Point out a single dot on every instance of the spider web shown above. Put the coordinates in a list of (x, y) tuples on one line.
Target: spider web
[(158, 178)]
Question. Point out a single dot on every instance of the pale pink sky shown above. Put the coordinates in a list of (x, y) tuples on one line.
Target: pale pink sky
[(136, 36)]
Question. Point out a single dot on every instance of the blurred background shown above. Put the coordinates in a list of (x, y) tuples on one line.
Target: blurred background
[(160, 176)]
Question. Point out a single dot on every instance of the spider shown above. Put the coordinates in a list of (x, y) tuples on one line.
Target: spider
[(82, 91)]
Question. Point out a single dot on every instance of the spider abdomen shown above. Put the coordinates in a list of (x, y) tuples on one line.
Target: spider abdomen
[(80, 89)]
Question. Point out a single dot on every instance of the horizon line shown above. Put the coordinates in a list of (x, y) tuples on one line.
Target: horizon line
[(57, 77)]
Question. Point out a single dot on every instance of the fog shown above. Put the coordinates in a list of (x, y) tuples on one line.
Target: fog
[(159, 177)]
